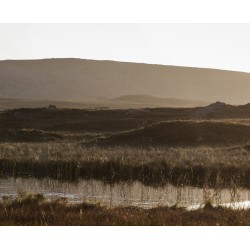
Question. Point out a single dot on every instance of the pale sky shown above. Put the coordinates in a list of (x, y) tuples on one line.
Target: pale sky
[(221, 46)]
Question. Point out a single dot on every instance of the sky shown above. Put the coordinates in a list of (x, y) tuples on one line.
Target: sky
[(220, 46)]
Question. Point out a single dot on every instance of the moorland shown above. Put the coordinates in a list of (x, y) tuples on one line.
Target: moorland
[(72, 120)]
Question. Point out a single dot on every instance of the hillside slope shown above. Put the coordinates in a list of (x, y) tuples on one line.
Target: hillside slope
[(81, 80), (183, 133)]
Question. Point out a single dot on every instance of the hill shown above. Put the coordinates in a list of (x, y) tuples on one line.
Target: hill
[(152, 126), (84, 80), (148, 100), (183, 133)]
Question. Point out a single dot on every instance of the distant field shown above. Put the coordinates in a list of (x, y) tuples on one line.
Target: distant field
[(50, 124), (184, 133), (133, 127), (122, 102)]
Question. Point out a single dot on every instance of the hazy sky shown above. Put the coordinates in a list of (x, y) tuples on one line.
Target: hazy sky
[(222, 46)]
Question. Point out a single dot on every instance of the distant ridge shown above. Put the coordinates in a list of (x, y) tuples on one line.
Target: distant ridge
[(81, 80), (166, 102)]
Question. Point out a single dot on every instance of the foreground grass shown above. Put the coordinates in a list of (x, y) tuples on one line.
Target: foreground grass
[(35, 210), (200, 166)]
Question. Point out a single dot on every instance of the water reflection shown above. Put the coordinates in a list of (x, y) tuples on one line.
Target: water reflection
[(134, 193)]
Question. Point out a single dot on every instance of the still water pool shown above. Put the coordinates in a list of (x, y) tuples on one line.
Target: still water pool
[(134, 193)]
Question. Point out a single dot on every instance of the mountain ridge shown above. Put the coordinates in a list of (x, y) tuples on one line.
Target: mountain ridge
[(81, 79)]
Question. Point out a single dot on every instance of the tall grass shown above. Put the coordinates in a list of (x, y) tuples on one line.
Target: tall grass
[(31, 209), (202, 166)]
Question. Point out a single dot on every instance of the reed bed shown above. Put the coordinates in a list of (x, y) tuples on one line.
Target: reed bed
[(200, 166)]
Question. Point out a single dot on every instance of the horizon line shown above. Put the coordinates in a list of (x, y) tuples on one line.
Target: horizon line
[(117, 61)]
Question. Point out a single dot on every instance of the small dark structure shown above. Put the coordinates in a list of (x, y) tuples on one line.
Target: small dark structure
[(52, 106)]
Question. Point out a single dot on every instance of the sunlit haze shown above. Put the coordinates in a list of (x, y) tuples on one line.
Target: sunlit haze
[(220, 46)]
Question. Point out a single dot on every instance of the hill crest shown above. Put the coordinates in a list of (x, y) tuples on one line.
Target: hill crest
[(80, 80)]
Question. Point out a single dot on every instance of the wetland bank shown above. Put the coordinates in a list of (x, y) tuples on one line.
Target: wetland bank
[(149, 163), (102, 142)]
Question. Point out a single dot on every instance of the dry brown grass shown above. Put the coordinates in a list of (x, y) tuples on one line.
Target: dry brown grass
[(35, 210), (202, 166)]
